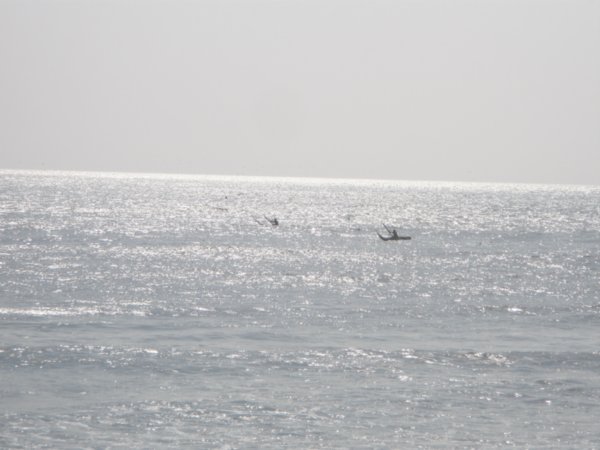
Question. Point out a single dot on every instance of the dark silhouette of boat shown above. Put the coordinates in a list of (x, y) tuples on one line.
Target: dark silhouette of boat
[(394, 237)]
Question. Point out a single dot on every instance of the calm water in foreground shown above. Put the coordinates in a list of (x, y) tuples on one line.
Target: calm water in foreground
[(157, 312)]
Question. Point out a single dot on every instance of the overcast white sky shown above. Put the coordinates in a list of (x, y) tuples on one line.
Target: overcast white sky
[(464, 90)]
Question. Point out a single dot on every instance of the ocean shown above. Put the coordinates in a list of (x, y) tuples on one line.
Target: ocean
[(162, 311)]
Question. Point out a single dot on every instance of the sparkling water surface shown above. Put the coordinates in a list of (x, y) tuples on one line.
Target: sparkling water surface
[(149, 311)]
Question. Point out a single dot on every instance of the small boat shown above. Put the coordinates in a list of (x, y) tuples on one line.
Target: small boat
[(394, 237)]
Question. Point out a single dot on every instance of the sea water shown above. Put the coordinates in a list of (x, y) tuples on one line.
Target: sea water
[(151, 311)]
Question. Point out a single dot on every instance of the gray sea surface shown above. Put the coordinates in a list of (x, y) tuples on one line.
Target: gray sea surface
[(157, 311)]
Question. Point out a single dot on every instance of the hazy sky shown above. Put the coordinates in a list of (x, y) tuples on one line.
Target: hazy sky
[(471, 90)]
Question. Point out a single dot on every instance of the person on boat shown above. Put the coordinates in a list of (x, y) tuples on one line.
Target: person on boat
[(393, 235)]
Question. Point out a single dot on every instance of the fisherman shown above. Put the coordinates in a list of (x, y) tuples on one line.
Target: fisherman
[(393, 235)]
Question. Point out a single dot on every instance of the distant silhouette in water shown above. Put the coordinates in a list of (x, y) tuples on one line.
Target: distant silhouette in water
[(272, 221), (393, 235)]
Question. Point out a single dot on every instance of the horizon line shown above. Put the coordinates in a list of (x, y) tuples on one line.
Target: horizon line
[(286, 178)]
